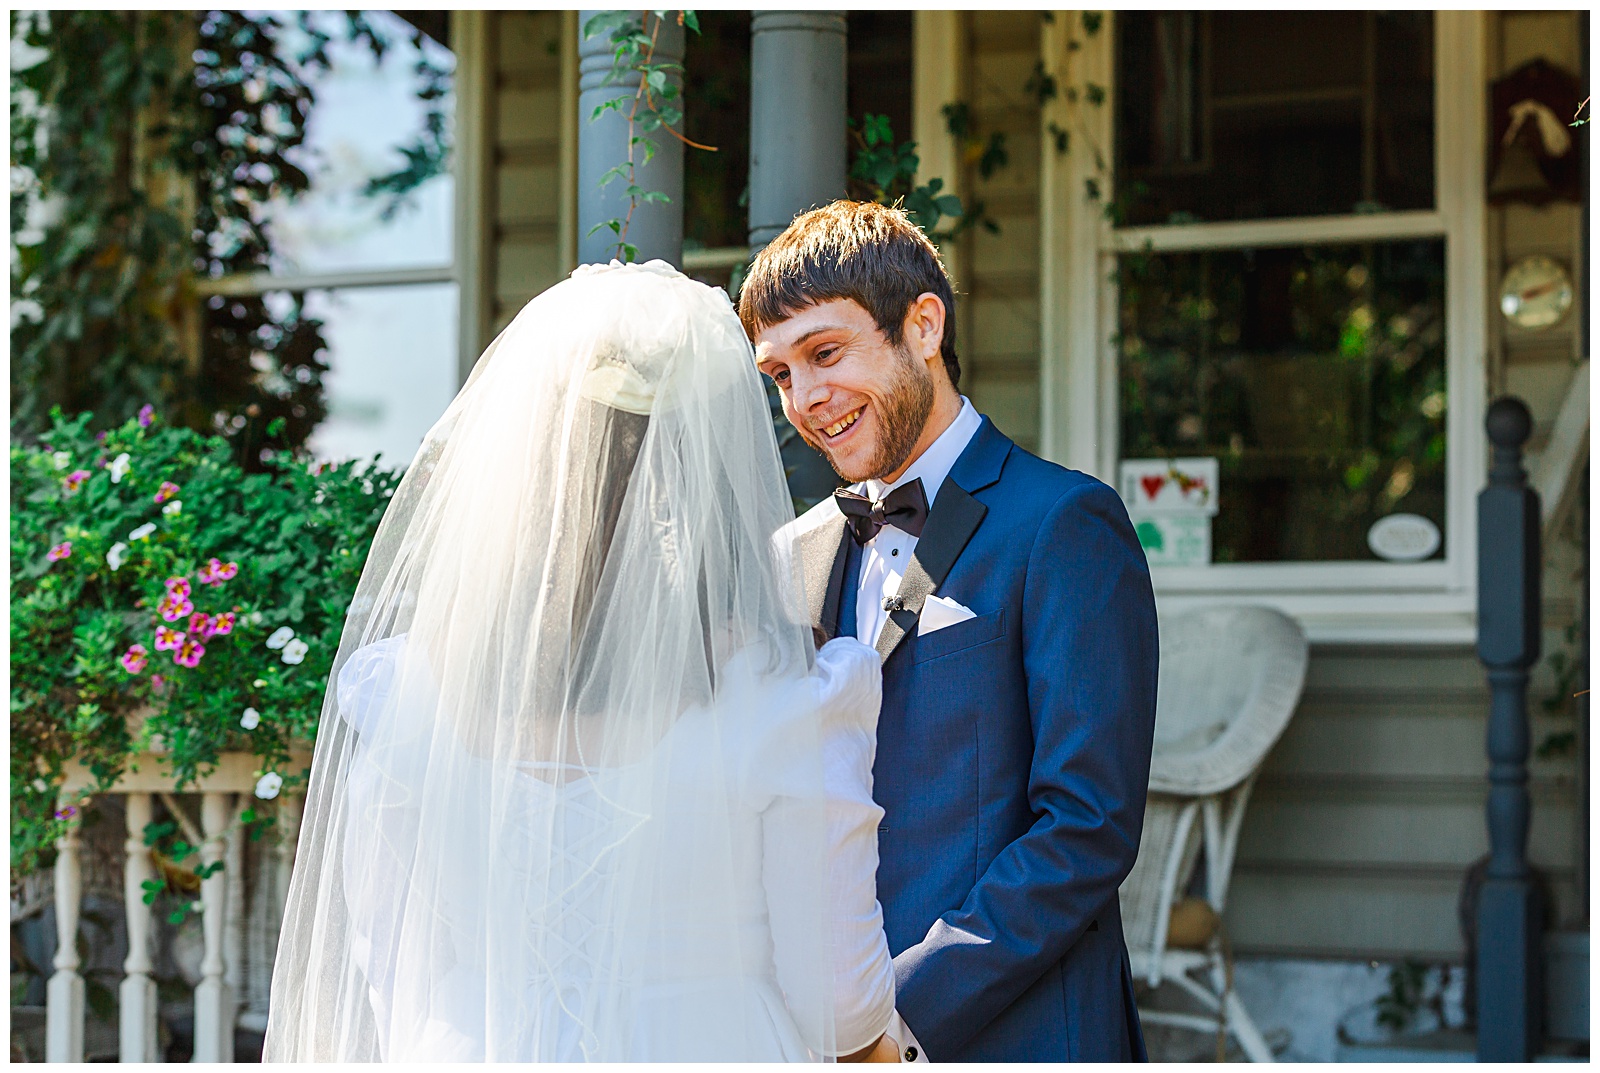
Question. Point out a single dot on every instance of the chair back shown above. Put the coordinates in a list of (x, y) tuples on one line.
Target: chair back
[(1230, 678)]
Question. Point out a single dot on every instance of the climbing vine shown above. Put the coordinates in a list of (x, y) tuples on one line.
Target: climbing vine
[(653, 106)]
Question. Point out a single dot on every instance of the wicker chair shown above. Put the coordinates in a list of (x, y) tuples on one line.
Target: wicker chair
[(1230, 679)]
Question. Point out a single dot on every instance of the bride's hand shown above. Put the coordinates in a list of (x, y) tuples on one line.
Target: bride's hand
[(884, 1050)]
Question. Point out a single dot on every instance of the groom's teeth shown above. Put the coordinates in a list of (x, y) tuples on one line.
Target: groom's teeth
[(849, 419)]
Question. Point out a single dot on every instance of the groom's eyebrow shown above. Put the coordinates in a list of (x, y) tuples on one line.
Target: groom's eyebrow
[(817, 331)]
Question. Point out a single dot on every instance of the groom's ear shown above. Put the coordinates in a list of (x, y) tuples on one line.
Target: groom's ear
[(923, 328)]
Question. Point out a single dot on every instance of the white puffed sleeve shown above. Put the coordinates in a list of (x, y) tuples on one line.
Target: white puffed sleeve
[(846, 688)]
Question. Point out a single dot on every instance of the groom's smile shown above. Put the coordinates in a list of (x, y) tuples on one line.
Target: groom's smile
[(861, 400)]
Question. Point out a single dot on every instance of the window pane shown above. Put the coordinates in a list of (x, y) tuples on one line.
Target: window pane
[(366, 112), (1233, 115), (392, 361), (1314, 375)]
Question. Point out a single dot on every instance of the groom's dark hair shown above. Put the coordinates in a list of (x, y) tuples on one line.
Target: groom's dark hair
[(871, 254)]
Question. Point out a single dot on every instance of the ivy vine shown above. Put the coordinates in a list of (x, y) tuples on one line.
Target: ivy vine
[(649, 108)]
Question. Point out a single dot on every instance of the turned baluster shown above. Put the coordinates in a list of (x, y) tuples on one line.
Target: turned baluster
[(139, 1041), (213, 999), (64, 998)]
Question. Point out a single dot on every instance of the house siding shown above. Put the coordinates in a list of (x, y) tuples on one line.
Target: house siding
[(526, 201)]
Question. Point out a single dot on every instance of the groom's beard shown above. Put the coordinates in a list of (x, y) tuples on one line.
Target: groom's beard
[(901, 415)]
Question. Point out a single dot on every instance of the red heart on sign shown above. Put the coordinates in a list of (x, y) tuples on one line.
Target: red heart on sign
[(1153, 485)]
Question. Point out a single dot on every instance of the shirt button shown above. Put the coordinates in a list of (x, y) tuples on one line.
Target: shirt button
[(911, 1054), (894, 551)]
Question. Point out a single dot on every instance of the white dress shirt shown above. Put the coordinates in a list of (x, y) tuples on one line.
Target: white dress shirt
[(884, 557)]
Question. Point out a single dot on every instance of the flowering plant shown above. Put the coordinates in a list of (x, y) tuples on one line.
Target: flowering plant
[(135, 628)]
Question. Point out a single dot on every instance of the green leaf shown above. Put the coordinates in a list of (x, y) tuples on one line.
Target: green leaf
[(657, 80), (691, 21), (605, 20)]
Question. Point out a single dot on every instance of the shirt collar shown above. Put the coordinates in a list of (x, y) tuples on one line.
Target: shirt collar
[(934, 464)]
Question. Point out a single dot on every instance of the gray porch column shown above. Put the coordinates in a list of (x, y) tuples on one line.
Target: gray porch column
[(797, 116), (656, 229), (797, 154)]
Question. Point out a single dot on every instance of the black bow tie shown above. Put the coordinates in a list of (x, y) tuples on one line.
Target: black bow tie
[(905, 508)]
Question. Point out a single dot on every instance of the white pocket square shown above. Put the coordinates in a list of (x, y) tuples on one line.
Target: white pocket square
[(939, 612)]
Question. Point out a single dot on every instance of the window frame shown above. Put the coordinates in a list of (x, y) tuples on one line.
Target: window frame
[(469, 244), (1429, 602)]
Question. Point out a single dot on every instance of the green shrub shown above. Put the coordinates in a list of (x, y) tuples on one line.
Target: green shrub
[(105, 529)]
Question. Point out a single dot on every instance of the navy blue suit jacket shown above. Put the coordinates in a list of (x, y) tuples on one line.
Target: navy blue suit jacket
[(1013, 756)]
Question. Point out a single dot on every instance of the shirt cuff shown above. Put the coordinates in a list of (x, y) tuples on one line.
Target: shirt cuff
[(905, 1040)]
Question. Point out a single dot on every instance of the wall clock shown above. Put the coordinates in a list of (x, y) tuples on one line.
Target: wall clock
[(1536, 292)]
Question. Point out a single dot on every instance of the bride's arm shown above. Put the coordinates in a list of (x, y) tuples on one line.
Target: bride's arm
[(858, 971)]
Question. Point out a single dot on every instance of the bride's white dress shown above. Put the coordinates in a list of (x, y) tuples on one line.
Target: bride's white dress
[(682, 956)]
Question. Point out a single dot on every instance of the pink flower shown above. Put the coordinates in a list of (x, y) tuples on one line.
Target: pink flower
[(178, 586), (147, 415), (168, 638), (216, 572), (74, 480), (61, 551), (200, 626), (222, 623), (189, 655), (166, 491), (174, 607), (134, 659), (158, 683)]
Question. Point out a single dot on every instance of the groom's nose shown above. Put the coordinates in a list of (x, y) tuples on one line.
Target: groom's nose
[(809, 391)]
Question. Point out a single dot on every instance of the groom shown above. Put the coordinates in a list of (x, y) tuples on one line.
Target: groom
[(1011, 605)]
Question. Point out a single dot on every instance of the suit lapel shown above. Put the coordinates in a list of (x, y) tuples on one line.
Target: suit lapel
[(952, 521), (822, 567)]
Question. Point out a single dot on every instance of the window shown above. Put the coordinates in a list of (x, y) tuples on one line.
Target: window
[(383, 283), (1288, 336)]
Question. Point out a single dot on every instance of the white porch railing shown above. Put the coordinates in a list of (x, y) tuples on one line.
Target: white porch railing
[(224, 793)]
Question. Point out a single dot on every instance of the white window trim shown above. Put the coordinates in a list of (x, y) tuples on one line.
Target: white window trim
[(1336, 602)]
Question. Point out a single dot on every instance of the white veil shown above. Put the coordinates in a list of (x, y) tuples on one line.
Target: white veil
[(571, 614)]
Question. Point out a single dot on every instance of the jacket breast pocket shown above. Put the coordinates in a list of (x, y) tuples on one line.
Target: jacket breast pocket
[(961, 636)]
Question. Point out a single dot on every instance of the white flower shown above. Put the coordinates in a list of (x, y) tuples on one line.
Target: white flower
[(259, 682), (268, 785), (62, 459), (118, 552), (255, 618), (173, 508), (143, 531), (280, 637), (295, 651), (119, 467), (250, 719), (40, 785)]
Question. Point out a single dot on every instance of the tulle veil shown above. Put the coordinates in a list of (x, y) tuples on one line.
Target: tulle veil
[(577, 563)]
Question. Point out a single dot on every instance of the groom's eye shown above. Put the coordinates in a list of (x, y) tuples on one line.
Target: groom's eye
[(827, 352)]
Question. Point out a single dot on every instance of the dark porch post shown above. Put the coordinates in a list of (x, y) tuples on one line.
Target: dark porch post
[(1510, 916)]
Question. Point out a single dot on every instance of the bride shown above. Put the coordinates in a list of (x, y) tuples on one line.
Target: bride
[(584, 790)]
